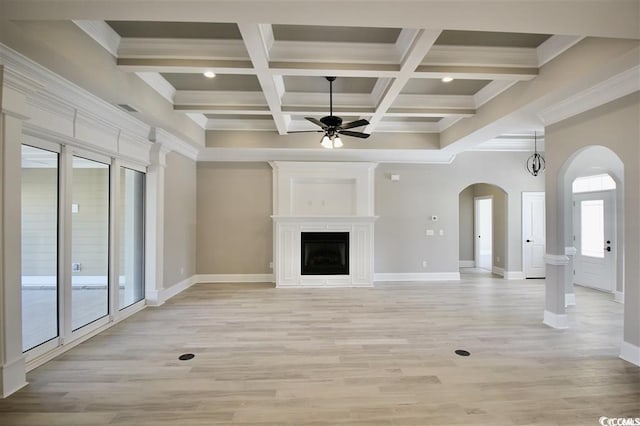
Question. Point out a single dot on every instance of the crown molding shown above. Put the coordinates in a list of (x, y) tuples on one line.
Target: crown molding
[(401, 156), (174, 143), (65, 91), (606, 91)]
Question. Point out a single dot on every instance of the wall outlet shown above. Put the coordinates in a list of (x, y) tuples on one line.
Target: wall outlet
[(182, 271), (429, 233), (270, 265), (497, 258), (76, 267), (424, 263), (441, 232)]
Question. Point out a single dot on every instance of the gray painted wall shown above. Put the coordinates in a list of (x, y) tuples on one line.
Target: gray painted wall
[(235, 232), (405, 208), (235, 204), (465, 228), (179, 219)]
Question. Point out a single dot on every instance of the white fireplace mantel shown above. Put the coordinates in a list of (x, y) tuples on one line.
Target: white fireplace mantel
[(323, 197)]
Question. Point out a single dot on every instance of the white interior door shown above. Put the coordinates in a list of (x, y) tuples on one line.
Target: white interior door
[(483, 213), (594, 235), (533, 234)]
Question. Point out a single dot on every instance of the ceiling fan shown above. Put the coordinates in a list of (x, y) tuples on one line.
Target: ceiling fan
[(332, 126)]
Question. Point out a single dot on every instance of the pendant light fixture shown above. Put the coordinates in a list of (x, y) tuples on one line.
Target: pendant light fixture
[(535, 163)]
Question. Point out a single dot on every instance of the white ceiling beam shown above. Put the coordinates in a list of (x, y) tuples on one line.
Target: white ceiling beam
[(171, 48), (243, 124), (491, 90), (101, 32), (429, 112), (433, 101), (554, 46), (334, 52), (223, 109), (488, 56), (407, 127), (199, 119), (158, 83), (475, 72), (257, 44), (418, 156), (219, 97), (414, 56), (186, 66)]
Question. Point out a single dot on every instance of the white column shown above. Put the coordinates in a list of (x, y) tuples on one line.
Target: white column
[(154, 225), (14, 91)]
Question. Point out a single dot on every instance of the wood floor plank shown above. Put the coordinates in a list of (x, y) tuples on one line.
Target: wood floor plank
[(380, 356)]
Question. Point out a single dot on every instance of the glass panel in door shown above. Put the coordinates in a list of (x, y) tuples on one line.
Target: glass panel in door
[(39, 189), (90, 242), (131, 212)]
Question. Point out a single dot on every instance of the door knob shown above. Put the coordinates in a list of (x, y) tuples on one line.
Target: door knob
[(608, 249), (529, 241)]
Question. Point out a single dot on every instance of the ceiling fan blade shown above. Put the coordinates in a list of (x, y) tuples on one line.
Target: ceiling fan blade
[(354, 134), (356, 123), (306, 131), (316, 122)]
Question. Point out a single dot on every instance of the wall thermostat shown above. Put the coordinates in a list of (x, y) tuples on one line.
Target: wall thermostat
[(434, 218)]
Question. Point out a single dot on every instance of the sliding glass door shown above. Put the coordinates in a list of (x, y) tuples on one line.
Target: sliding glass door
[(82, 243), (90, 242)]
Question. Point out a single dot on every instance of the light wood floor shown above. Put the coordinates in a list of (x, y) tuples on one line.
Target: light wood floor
[(381, 356)]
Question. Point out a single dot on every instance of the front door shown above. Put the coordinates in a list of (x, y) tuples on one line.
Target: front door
[(533, 234), (594, 235)]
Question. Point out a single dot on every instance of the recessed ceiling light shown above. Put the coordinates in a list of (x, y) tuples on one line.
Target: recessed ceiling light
[(447, 79), (209, 74)]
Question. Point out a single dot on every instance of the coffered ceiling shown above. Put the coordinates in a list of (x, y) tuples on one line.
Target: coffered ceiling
[(270, 59)]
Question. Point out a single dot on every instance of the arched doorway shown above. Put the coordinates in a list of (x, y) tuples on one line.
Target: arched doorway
[(483, 228), (586, 169)]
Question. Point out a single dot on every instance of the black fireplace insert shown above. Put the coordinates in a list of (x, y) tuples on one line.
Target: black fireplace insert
[(325, 253)]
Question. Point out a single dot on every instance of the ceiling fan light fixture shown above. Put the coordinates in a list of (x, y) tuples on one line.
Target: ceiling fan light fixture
[(337, 142), (447, 79), (326, 142), (209, 74)]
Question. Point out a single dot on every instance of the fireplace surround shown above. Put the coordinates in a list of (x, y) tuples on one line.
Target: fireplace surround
[(314, 202)]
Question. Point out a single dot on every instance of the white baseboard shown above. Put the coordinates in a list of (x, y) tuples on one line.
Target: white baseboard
[(559, 321), (235, 278), (569, 299), (417, 276), (12, 376), (467, 264), (168, 293), (618, 296), (497, 270), (514, 275), (630, 353)]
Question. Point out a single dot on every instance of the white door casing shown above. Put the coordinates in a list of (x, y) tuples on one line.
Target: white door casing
[(533, 234)]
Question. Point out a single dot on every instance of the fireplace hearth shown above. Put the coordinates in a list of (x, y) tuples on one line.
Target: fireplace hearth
[(324, 253)]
